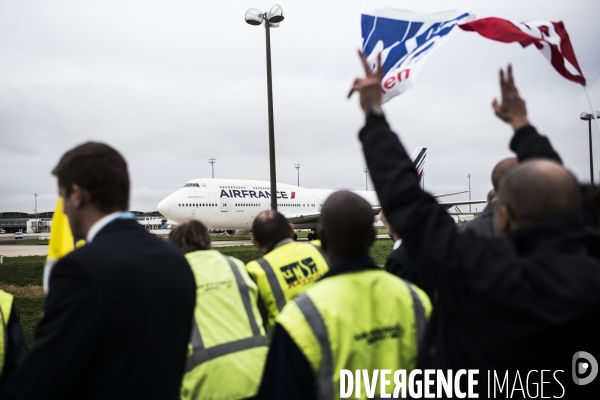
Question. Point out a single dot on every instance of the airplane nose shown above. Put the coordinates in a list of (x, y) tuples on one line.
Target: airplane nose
[(163, 208)]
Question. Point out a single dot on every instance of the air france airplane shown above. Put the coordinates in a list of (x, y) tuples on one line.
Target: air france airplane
[(232, 204)]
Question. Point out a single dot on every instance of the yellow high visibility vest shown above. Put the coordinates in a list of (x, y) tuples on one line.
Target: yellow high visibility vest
[(284, 273), (228, 345), (6, 301), (361, 320)]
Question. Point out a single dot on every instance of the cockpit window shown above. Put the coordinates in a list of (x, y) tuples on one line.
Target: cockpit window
[(191, 185)]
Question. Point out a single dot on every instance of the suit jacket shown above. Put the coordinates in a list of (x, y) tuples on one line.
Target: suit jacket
[(483, 224), (116, 323)]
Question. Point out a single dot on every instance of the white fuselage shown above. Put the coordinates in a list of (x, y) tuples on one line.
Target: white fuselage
[(232, 204)]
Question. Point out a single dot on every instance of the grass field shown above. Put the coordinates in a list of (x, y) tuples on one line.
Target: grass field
[(17, 275), (22, 276), (301, 234)]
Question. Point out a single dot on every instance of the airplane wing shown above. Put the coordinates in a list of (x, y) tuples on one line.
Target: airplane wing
[(450, 194), (449, 204), (302, 218)]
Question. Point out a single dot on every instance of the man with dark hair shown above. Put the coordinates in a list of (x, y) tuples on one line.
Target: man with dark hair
[(119, 313), (190, 236), (356, 317), (522, 302), (228, 346), (483, 224), (108, 186), (287, 268)]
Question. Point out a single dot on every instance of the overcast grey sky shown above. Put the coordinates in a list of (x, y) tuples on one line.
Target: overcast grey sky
[(172, 84)]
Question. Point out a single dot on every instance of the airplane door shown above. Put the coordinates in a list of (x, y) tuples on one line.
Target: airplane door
[(213, 198), (223, 204), (320, 204)]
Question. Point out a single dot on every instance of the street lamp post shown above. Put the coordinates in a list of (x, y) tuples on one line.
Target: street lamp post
[(297, 166), (36, 213), (469, 176), (589, 117), (270, 19), (212, 162), (366, 171)]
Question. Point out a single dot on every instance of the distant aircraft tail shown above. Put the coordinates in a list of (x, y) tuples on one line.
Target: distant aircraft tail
[(418, 157)]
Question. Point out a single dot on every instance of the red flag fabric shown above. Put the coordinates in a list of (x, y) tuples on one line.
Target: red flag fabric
[(551, 38)]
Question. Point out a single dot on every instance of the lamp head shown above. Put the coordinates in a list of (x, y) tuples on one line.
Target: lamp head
[(275, 15), (254, 16), (587, 116)]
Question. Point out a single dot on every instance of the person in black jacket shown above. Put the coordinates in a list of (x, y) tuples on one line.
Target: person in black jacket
[(523, 302), (398, 263), (118, 318), (483, 224)]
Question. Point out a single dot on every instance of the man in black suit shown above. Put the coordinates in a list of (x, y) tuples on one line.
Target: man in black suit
[(118, 317)]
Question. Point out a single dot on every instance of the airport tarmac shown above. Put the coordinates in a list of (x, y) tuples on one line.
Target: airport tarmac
[(16, 250)]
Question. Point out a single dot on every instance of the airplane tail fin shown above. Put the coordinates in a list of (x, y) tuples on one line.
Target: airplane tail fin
[(418, 158)]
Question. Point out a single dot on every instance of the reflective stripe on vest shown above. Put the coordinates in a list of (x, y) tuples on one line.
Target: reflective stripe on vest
[(420, 316), (201, 354), (321, 252), (317, 325), (273, 283), (6, 301)]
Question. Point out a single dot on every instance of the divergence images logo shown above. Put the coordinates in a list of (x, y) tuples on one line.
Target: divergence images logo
[(584, 364)]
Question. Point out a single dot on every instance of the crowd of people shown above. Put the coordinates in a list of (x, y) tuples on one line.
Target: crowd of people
[(130, 316)]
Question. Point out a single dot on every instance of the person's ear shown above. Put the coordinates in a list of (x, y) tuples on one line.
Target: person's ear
[(504, 222), (78, 196), (257, 245)]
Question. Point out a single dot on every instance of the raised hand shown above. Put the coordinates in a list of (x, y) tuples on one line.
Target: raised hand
[(512, 109), (369, 88)]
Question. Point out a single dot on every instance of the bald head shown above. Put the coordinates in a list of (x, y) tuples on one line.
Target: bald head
[(501, 169), (347, 225), (540, 189), (270, 227)]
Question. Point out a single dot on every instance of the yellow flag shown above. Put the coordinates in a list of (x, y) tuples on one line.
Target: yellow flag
[(61, 238), (61, 241)]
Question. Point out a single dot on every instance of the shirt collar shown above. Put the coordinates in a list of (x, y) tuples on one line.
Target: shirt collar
[(101, 223)]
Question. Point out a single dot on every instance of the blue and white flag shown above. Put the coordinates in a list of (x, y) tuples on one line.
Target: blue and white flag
[(405, 39)]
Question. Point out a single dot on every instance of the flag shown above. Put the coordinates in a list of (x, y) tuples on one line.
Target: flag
[(61, 241), (551, 38), (405, 39)]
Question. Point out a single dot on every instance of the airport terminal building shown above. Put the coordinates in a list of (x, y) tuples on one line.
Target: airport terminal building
[(42, 222)]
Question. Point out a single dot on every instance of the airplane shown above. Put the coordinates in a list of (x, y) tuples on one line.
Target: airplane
[(232, 204)]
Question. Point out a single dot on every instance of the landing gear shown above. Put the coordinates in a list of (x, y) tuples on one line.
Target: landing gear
[(312, 236), (295, 237)]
